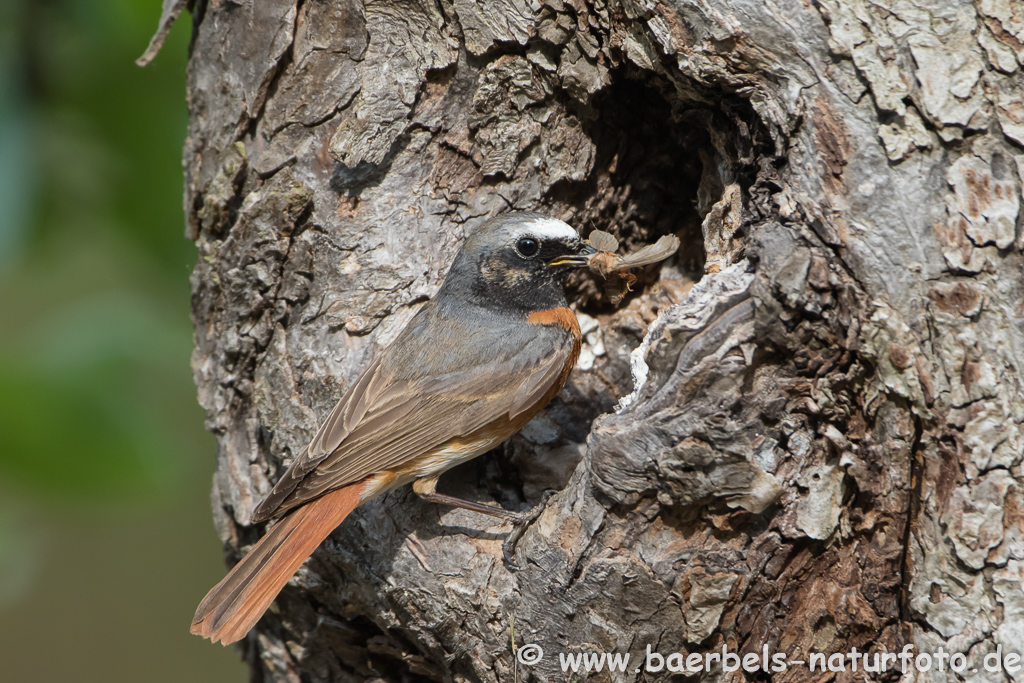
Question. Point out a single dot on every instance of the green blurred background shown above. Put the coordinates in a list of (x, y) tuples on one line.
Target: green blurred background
[(106, 543)]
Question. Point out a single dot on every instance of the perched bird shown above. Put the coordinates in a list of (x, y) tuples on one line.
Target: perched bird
[(473, 366)]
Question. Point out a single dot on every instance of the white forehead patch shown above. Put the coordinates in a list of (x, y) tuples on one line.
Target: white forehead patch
[(548, 228)]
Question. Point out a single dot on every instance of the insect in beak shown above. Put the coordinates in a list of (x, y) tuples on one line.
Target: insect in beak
[(581, 258)]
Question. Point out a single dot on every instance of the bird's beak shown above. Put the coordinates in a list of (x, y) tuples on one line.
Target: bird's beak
[(580, 258)]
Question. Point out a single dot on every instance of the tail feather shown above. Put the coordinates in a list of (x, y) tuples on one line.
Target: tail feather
[(234, 605)]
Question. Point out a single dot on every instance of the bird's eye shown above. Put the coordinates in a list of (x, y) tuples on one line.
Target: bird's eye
[(527, 246)]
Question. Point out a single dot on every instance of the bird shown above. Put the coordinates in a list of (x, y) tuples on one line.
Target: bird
[(472, 367)]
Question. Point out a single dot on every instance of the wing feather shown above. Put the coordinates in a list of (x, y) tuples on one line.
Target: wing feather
[(383, 423)]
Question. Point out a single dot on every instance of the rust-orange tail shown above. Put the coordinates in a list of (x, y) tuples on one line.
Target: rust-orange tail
[(234, 605)]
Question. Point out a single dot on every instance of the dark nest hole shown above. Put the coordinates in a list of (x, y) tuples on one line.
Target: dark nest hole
[(662, 161), (664, 156)]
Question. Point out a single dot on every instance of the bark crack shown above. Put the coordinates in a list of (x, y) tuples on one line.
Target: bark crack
[(916, 479)]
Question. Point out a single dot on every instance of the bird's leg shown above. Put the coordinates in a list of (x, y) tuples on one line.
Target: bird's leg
[(426, 488)]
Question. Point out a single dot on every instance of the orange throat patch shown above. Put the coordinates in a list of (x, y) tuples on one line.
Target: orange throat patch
[(561, 316)]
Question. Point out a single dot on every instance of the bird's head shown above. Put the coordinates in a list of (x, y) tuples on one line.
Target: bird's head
[(517, 261)]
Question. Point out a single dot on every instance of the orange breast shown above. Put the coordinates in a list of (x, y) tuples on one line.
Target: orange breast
[(562, 317)]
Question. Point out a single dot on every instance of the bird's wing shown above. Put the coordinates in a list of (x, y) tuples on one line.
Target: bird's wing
[(331, 433), (383, 422)]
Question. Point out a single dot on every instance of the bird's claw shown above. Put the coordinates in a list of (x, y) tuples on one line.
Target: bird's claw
[(520, 523)]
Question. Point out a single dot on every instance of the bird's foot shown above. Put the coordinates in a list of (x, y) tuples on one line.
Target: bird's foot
[(520, 522)]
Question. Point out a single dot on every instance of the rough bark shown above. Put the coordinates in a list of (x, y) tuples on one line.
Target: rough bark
[(820, 441)]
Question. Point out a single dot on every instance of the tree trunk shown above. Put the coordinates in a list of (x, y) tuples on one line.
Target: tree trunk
[(817, 443)]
